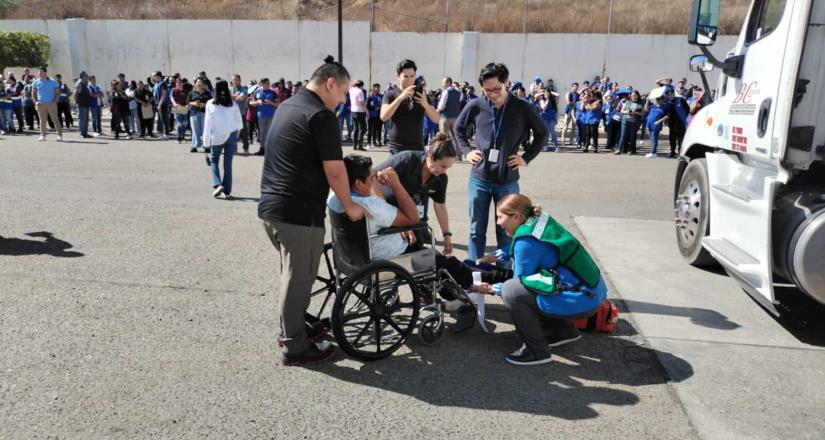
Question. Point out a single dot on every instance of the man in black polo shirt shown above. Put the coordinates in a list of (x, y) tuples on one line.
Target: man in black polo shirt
[(303, 160), (501, 121), (406, 108)]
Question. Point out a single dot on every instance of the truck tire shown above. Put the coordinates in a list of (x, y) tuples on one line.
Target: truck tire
[(692, 206)]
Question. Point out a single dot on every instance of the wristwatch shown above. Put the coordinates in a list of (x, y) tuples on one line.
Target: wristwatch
[(447, 234)]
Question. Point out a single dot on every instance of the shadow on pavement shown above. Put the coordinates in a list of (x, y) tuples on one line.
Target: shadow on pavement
[(51, 246), (704, 317), (801, 315), (469, 371)]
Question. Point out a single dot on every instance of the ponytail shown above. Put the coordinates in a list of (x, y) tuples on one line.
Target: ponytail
[(521, 204), (441, 147)]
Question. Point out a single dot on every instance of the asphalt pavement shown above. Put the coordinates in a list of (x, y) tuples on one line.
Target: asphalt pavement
[(134, 305)]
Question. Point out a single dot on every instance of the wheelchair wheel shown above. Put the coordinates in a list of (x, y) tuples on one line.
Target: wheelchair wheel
[(375, 310), (430, 330)]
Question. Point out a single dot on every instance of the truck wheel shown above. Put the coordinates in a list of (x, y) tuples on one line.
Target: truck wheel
[(692, 208)]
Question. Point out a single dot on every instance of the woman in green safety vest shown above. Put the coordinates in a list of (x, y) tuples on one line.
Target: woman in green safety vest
[(554, 280)]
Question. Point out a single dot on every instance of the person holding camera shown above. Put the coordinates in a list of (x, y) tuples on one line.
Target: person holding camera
[(406, 108)]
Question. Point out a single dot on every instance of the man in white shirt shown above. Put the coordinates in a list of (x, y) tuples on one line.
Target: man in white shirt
[(361, 179)]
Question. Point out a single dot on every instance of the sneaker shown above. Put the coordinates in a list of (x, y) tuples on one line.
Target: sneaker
[(563, 334), (650, 156), (525, 356), (315, 331), (95, 134), (85, 136), (317, 352), (617, 152), (164, 138), (193, 150), (558, 150), (41, 139), (218, 191)]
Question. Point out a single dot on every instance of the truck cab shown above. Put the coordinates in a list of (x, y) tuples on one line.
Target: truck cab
[(750, 185)]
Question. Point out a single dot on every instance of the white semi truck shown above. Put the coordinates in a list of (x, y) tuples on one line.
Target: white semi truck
[(750, 185)]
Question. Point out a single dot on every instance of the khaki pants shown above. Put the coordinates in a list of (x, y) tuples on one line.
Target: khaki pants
[(300, 249), (447, 126), (45, 110)]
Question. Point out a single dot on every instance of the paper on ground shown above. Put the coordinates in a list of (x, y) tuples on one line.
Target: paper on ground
[(478, 299)]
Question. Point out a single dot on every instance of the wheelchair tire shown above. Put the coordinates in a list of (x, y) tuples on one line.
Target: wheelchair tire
[(375, 310), (430, 330)]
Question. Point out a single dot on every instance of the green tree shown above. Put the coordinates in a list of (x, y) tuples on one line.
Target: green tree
[(28, 49)]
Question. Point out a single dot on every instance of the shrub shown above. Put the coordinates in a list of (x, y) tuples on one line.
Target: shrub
[(23, 49)]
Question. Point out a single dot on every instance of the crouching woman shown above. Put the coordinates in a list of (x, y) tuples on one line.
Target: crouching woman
[(554, 280)]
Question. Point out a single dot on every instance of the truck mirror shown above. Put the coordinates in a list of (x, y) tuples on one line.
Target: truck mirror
[(700, 63), (704, 22)]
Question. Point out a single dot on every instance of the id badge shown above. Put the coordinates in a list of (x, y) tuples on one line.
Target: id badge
[(492, 156), (420, 211)]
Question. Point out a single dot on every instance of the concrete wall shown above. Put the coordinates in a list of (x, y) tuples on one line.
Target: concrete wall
[(293, 49)]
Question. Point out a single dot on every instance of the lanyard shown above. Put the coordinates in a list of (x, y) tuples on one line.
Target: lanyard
[(497, 124)]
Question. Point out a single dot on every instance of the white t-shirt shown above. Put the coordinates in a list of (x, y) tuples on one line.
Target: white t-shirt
[(383, 214)]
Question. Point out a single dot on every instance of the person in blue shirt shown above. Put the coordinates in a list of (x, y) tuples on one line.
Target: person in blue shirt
[(546, 290), (547, 109), (591, 117), (676, 118), (449, 107), (656, 114), (344, 113), (14, 91), (64, 110), (46, 95), (163, 99), (265, 103), (6, 114), (374, 123), (95, 107)]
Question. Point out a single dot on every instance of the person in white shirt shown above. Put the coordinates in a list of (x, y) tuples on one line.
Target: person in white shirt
[(358, 100), (220, 133)]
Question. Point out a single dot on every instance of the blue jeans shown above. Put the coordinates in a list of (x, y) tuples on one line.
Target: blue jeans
[(345, 117), (229, 148), (628, 136), (83, 120), (197, 129), (654, 140), (579, 133), (181, 120), (6, 120), (551, 126), (95, 119), (481, 193)]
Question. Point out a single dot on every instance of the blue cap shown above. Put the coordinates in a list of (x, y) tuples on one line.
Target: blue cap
[(537, 78)]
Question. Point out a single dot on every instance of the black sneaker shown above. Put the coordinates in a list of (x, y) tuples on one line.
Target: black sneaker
[(563, 335), (315, 330), (317, 352), (465, 319), (525, 356)]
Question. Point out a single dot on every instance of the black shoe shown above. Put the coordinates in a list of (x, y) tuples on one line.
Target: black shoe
[(85, 136), (525, 356), (672, 155), (193, 150), (465, 319), (562, 334), (317, 352), (315, 330), (259, 153), (207, 150)]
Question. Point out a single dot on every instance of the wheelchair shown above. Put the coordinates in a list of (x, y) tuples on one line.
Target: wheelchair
[(376, 304)]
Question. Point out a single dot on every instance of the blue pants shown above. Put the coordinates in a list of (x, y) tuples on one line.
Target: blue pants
[(342, 118), (579, 133), (654, 140), (83, 120), (7, 120), (551, 126), (96, 124), (181, 120), (481, 193), (228, 148), (628, 136), (196, 118)]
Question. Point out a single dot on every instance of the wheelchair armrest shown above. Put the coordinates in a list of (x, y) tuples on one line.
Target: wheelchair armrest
[(389, 231)]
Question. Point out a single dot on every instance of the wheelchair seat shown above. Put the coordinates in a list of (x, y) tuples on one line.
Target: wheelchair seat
[(351, 246)]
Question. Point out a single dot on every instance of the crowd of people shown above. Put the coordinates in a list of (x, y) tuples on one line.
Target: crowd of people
[(299, 127)]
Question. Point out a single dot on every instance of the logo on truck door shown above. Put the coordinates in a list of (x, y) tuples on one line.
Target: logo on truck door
[(742, 103)]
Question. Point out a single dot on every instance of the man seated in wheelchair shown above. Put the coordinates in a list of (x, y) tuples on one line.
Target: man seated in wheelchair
[(384, 215)]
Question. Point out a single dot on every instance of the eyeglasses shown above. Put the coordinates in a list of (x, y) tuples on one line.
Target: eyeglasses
[(496, 91)]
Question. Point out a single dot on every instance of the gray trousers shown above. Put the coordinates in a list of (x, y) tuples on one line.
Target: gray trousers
[(300, 249), (531, 324), (447, 126), (263, 129)]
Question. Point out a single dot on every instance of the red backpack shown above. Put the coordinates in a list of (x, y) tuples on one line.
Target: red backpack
[(604, 320)]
